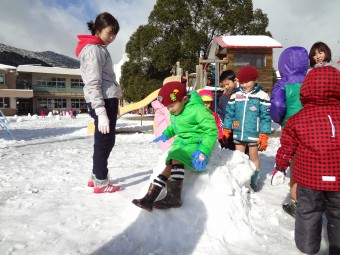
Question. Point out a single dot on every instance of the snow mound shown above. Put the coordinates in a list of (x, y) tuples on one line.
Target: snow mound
[(217, 197)]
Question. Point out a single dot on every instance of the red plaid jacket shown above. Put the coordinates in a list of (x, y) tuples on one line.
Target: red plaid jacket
[(312, 136)]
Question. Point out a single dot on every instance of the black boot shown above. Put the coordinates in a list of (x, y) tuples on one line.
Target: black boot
[(173, 196), (154, 189), (174, 189), (290, 208)]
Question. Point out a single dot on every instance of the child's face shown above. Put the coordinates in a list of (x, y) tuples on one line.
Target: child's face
[(229, 84), (248, 86), (106, 35), (207, 104), (319, 56), (177, 107)]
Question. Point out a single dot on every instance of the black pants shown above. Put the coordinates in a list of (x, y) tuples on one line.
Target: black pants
[(308, 221), (103, 143)]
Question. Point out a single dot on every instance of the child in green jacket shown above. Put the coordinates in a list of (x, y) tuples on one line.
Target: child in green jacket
[(195, 129)]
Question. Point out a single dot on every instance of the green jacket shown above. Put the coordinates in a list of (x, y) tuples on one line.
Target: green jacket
[(195, 128)]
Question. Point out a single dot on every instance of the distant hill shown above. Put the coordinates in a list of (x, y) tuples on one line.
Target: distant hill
[(13, 56)]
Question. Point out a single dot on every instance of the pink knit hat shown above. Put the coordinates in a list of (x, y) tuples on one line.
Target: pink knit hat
[(206, 95)]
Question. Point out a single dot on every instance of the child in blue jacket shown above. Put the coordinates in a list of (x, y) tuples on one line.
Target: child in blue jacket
[(248, 118)]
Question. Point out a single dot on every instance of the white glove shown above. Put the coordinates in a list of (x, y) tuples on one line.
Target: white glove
[(103, 120), (278, 177)]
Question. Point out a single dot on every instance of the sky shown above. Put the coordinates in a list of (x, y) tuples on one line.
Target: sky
[(47, 208), (41, 25)]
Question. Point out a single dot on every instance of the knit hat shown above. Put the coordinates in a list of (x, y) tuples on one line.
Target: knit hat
[(171, 92), (206, 95), (246, 74)]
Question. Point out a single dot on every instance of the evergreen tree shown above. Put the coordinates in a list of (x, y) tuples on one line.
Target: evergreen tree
[(180, 30)]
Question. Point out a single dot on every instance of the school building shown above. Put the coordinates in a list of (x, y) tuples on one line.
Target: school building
[(32, 88)]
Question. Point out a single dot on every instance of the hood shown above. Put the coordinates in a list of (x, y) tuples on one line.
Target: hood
[(293, 61), (195, 98), (157, 105), (321, 87), (85, 40)]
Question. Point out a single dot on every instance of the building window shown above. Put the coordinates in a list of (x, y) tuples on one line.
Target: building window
[(4, 102), (51, 103), (243, 59), (51, 82), (78, 103), (2, 79), (77, 83)]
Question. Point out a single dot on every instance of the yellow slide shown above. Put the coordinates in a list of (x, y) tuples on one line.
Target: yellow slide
[(139, 104), (128, 108)]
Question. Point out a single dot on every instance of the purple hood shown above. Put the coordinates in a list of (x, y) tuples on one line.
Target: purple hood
[(293, 67)]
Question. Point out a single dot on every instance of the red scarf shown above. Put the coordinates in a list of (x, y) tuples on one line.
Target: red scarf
[(85, 40)]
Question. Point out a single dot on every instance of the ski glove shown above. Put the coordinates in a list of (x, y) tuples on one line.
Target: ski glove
[(263, 142), (162, 137), (199, 161), (226, 134), (278, 177), (103, 120)]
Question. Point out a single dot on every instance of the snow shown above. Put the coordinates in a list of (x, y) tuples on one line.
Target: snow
[(247, 41), (47, 208)]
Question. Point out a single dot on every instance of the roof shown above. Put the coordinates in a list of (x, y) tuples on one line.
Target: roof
[(50, 70), (247, 41), (6, 68)]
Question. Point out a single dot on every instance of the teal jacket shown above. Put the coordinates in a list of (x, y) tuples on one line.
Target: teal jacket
[(248, 114), (195, 129)]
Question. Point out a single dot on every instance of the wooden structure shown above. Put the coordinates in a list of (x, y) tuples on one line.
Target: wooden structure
[(241, 50)]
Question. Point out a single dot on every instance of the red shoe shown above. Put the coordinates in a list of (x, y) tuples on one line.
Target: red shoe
[(90, 183), (106, 189)]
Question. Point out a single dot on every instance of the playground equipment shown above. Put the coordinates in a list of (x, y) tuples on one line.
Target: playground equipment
[(4, 122), (134, 106)]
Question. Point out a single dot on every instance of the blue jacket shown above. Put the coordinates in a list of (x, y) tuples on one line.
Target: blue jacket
[(222, 104), (248, 114), (285, 98)]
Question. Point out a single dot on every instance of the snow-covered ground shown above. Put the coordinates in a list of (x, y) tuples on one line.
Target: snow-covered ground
[(47, 208)]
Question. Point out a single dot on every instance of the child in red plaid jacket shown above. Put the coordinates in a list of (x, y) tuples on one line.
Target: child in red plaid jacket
[(312, 137)]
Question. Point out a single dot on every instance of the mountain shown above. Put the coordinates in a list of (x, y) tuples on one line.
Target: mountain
[(14, 56)]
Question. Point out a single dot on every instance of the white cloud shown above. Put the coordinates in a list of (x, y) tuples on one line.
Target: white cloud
[(46, 25), (41, 25), (302, 23)]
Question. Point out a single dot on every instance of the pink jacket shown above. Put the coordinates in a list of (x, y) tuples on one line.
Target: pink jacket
[(161, 121)]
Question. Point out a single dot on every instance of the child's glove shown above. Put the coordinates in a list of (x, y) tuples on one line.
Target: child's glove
[(162, 137), (278, 177), (226, 134), (263, 142), (199, 161), (103, 120)]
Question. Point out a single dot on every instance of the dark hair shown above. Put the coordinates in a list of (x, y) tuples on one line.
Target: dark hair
[(103, 20), (320, 46), (227, 75)]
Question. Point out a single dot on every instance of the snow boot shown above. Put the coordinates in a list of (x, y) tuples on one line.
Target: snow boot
[(154, 190), (290, 208), (254, 179), (173, 196), (174, 189)]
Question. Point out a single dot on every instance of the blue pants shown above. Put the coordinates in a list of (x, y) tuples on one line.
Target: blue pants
[(103, 143), (308, 221)]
